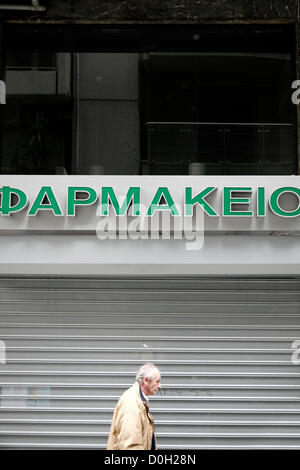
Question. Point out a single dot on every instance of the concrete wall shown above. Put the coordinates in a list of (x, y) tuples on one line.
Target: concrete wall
[(108, 119), (88, 256), (166, 10)]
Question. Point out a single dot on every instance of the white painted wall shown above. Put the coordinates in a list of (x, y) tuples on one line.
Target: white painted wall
[(63, 255)]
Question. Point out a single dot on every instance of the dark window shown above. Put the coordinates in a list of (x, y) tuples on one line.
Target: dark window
[(92, 99), (230, 112)]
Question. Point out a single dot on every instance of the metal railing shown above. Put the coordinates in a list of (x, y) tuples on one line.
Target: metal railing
[(222, 148)]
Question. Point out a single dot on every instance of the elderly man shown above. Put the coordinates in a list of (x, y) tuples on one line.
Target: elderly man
[(132, 425)]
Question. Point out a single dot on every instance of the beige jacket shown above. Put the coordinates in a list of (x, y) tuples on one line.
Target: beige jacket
[(132, 425)]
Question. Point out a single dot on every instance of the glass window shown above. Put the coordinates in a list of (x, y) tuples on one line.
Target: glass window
[(230, 112), (173, 103)]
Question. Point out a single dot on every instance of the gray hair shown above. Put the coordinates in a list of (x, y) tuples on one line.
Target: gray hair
[(147, 370)]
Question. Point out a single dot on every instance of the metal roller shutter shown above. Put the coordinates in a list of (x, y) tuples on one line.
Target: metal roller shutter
[(224, 348)]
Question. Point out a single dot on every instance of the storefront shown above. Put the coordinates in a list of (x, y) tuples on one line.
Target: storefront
[(219, 314), (149, 212)]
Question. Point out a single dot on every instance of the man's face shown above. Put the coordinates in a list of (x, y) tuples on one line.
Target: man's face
[(150, 387)]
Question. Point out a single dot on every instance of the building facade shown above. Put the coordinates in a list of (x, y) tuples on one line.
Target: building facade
[(149, 212)]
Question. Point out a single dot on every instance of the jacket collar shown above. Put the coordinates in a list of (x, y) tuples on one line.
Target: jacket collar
[(143, 398)]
